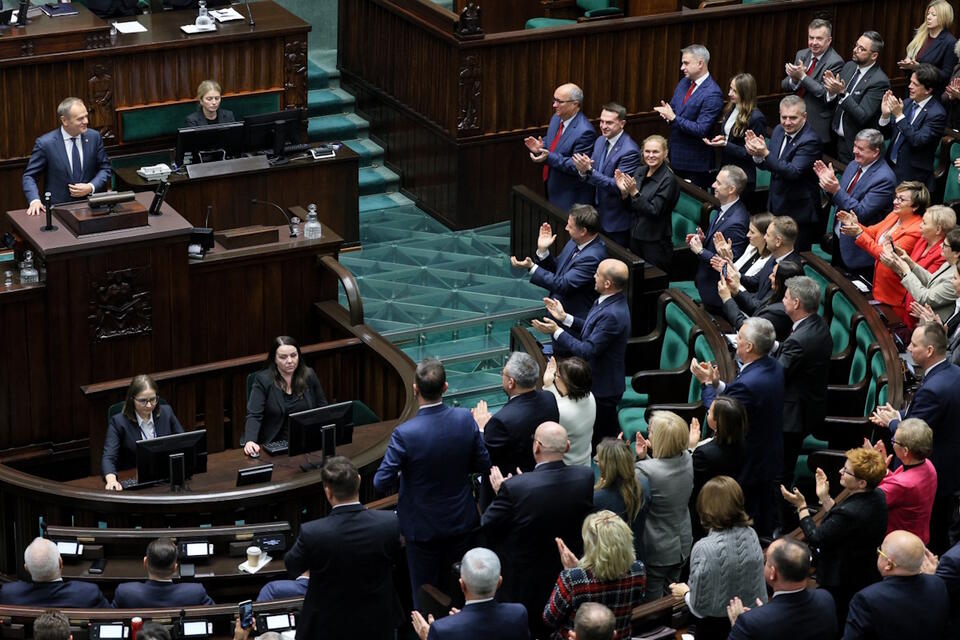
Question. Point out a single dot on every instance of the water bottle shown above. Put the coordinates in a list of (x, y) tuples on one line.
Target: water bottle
[(8, 279), (312, 229), (203, 18), (28, 273)]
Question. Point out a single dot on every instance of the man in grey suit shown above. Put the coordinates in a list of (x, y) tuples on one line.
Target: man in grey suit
[(856, 93), (805, 76)]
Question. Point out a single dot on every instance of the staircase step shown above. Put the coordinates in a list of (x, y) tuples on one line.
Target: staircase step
[(372, 203), (377, 180), (343, 126), (323, 65), (317, 76), (321, 102), (368, 150)]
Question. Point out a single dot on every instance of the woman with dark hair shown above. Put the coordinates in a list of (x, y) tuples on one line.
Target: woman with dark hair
[(772, 308), (722, 453), (739, 116), (755, 256), (570, 381), (142, 418), (286, 385), (620, 490)]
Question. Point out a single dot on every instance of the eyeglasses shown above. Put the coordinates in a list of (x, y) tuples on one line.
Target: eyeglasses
[(886, 557), (899, 444), (147, 401), (857, 47), (843, 470), (559, 101)]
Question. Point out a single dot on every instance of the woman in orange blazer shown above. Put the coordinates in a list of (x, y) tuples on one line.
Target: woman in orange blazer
[(901, 227)]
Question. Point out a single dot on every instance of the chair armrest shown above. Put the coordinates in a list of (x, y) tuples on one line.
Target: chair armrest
[(600, 14), (706, 4), (559, 8), (686, 410), (844, 432), (847, 400), (643, 350), (663, 385)]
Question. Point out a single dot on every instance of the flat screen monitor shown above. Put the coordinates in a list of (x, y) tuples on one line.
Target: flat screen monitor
[(273, 131), (153, 456), (224, 140), (306, 427)]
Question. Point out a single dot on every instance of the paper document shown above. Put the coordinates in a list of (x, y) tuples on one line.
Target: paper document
[(129, 27), (226, 15), (192, 28)]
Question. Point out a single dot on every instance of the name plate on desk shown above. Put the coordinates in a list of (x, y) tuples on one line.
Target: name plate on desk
[(83, 220), (225, 167)]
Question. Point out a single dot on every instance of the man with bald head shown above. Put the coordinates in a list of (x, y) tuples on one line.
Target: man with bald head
[(602, 340), (527, 515), (906, 603), (569, 132), (593, 622)]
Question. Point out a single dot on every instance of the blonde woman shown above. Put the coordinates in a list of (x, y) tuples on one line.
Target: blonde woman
[(933, 43), (208, 108)]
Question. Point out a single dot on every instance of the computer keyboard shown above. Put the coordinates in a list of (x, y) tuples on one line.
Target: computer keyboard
[(295, 148), (276, 447)]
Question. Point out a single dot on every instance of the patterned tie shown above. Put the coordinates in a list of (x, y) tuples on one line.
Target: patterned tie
[(77, 173), (553, 147), (813, 63), (693, 85), (856, 179), (787, 141)]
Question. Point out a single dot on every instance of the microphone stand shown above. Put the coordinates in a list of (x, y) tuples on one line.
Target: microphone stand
[(293, 222), (48, 205), (249, 13)]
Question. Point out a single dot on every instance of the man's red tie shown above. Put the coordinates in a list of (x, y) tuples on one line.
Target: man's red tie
[(693, 85), (813, 63), (553, 146), (856, 178)]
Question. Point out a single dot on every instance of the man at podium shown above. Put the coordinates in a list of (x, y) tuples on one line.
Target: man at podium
[(71, 160)]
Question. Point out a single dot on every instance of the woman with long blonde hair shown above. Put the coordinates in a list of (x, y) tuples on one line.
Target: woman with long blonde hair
[(933, 43)]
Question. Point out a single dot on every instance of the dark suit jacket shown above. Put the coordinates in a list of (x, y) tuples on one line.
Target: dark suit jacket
[(197, 119), (772, 311), (899, 607), (871, 200), (735, 152), (150, 593), (266, 407), (279, 589), (938, 403), (603, 343), (570, 279), (69, 594), (483, 621), (564, 187), (49, 161), (350, 554), (948, 570), (120, 445), (614, 211), (733, 225), (529, 511), (805, 358), (751, 302), (920, 139), (805, 615), (509, 433), (113, 8), (941, 55), (693, 123), (819, 111), (431, 457), (860, 109), (712, 459), (653, 214), (794, 187)]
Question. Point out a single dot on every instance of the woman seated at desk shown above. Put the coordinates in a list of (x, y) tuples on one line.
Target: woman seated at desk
[(142, 418), (209, 111), (285, 386)]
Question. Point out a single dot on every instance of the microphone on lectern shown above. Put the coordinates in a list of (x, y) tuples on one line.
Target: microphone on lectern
[(293, 222)]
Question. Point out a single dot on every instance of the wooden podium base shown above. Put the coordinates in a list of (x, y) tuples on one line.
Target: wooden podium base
[(82, 220)]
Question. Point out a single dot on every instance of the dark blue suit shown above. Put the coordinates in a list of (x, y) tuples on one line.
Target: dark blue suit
[(69, 594), (899, 607), (805, 615), (940, 54), (509, 433), (694, 122), (794, 187), (564, 186), (279, 589), (603, 342), (483, 621), (760, 388), (150, 593), (733, 225), (915, 144), (49, 161), (569, 279), (120, 445), (949, 571), (871, 200), (615, 214)]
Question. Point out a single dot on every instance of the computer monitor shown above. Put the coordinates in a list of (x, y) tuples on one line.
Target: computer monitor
[(305, 432), (153, 456), (225, 138), (273, 131)]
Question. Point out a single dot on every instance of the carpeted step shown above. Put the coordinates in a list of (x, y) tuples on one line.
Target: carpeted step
[(377, 180), (322, 72), (341, 126), (317, 76), (368, 150), (379, 201), (322, 102)]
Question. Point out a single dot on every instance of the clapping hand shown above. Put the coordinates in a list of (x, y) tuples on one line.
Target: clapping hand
[(550, 372), (626, 183), (497, 478), (665, 111), (823, 486), (833, 83), (641, 445), (793, 497), (723, 289), (736, 609), (538, 153), (849, 225), (722, 247), (546, 238), (827, 176), (705, 372), (481, 414), (582, 162), (908, 64), (421, 626), (795, 71), (567, 559), (733, 278), (883, 415), (526, 263), (925, 313), (754, 144), (880, 448), (891, 105), (715, 141), (694, 437)]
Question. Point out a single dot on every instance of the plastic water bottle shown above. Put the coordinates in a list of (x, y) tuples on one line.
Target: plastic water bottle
[(312, 229), (203, 18), (28, 273)]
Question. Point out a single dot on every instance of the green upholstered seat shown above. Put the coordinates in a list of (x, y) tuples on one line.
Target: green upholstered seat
[(633, 399), (876, 392), (859, 369), (951, 190), (703, 353), (821, 282), (590, 8), (842, 313), (633, 420), (689, 287), (163, 120), (763, 176), (685, 218)]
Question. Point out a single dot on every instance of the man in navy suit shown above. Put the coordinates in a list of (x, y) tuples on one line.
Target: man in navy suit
[(529, 512), (350, 555), (615, 150), (481, 617), (759, 386), (937, 402), (794, 188), (160, 590), (47, 588), (914, 127), (431, 457), (692, 114), (906, 602), (805, 76), (71, 160), (569, 132), (279, 589), (752, 291), (866, 190), (602, 342), (948, 570), (794, 611), (732, 222)]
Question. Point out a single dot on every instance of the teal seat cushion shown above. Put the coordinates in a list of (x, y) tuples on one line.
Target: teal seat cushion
[(164, 120), (632, 421), (633, 399), (951, 190), (763, 179), (685, 218), (675, 351), (689, 287), (545, 23)]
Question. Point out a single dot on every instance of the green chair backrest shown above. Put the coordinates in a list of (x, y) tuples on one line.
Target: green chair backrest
[(685, 218), (821, 281), (164, 120), (842, 314), (703, 353), (362, 414), (675, 351), (858, 365), (951, 190), (877, 370), (114, 409), (591, 5)]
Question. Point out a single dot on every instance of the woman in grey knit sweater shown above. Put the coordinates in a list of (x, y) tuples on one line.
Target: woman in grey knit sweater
[(726, 563)]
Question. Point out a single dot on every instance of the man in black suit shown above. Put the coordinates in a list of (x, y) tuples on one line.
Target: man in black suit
[(350, 554), (160, 590), (529, 512), (47, 588), (806, 72)]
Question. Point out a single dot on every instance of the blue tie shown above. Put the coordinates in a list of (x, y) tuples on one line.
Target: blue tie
[(895, 150), (77, 168), (603, 156)]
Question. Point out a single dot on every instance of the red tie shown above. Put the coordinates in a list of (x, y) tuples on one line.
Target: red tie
[(693, 85), (813, 63), (853, 183), (553, 146)]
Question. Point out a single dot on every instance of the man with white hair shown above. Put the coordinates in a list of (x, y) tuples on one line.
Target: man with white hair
[(48, 589), (481, 617)]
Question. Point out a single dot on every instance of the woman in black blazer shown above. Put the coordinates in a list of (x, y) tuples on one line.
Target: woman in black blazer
[(652, 193), (719, 455), (739, 116), (772, 308), (142, 418), (209, 111), (933, 43), (285, 386)]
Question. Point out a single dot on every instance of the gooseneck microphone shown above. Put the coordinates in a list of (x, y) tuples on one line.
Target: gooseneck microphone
[(293, 222), (249, 13)]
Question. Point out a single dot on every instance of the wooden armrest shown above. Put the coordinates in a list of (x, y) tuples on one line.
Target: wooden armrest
[(844, 432), (601, 14), (847, 400), (663, 385), (706, 4), (686, 410)]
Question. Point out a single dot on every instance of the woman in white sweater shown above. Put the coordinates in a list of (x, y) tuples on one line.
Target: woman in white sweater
[(570, 381)]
